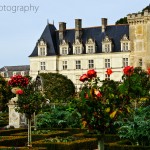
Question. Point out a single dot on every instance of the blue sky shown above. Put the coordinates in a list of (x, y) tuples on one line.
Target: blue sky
[(23, 21)]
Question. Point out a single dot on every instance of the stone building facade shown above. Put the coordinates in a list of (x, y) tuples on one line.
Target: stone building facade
[(72, 52)]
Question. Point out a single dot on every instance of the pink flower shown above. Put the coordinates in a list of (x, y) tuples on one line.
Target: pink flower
[(83, 78), (19, 91), (109, 71), (91, 73), (128, 70)]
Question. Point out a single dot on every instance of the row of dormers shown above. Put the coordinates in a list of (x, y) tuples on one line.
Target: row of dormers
[(90, 46)]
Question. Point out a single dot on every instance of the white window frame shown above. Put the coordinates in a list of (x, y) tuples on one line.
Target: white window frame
[(14, 73), (42, 65), (64, 48), (107, 63), (22, 73), (107, 45), (125, 44), (42, 48), (78, 79), (91, 64), (90, 46), (64, 65), (78, 64), (2, 74), (77, 47), (125, 61)]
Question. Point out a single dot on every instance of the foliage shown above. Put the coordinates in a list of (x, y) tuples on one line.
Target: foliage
[(122, 21), (136, 128), (136, 85), (3, 119), (59, 117), (101, 103), (5, 94), (57, 87)]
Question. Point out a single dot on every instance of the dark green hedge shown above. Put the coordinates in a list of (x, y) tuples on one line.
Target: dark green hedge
[(87, 143), (116, 146), (11, 131)]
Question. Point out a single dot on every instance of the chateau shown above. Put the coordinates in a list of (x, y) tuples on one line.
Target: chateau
[(72, 52)]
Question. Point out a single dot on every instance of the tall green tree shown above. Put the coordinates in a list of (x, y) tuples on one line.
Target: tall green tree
[(57, 87), (5, 94)]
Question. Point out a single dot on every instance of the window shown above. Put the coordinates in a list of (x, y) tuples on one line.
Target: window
[(107, 48), (64, 50), (43, 67), (90, 46), (77, 50), (91, 64), (107, 77), (64, 65), (2, 74), (125, 43), (78, 64), (125, 62), (22, 73), (90, 49), (42, 51), (77, 47), (42, 48), (107, 63), (125, 46), (107, 45), (14, 73), (64, 47), (78, 79), (140, 62)]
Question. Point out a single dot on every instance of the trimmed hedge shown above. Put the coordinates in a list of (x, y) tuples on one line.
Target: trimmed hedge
[(11, 131), (87, 143), (116, 146)]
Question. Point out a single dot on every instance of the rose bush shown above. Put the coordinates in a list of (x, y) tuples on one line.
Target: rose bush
[(18, 81), (101, 102)]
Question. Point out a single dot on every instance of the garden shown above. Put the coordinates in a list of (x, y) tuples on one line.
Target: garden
[(104, 114)]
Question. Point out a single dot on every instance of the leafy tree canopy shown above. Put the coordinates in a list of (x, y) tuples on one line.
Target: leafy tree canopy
[(57, 87), (124, 19)]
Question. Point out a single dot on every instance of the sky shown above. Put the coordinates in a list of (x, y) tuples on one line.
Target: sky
[(23, 21)]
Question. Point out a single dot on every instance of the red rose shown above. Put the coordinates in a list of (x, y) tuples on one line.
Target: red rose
[(97, 93), (128, 70), (83, 78), (148, 71), (109, 71), (86, 96), (91, 73), (19, 91)]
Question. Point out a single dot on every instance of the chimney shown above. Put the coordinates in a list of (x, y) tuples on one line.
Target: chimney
[(62, 29), (104, 24), (78, 28)]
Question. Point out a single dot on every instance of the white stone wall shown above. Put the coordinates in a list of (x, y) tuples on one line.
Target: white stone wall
[(72, 72)]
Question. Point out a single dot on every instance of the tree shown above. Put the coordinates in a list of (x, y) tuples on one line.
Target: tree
[(57, 87), (122, 21), (5, 94)]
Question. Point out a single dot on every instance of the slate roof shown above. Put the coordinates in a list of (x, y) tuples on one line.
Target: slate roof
[(15, 68), (51, 36)]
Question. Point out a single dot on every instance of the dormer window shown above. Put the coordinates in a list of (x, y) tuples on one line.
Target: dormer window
[(77, 47), (107, 45), (64, 48), (90, 46), (125, 43), (42, 48)]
